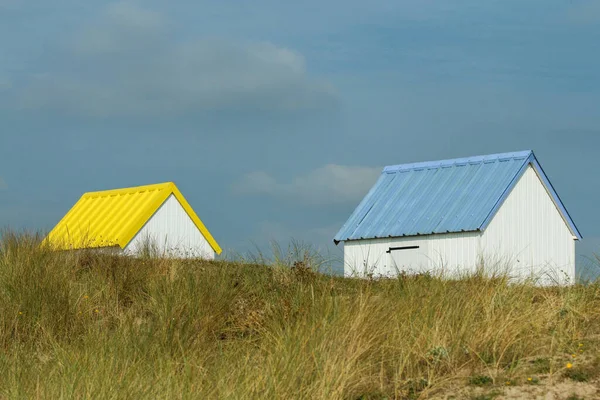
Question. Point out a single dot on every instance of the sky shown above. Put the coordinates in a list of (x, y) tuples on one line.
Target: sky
[(275, 118)]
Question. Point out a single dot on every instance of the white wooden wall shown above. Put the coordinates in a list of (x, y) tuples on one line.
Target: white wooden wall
[(453, 253), (173, 234), (530, 233), (527, 237)]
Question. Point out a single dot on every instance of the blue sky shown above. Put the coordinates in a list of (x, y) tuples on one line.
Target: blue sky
[(274, 118)]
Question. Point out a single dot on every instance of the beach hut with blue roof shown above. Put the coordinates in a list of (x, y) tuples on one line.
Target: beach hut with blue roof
[(497, 213)]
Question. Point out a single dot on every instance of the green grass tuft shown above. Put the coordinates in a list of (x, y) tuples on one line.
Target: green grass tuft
[(480, 380)]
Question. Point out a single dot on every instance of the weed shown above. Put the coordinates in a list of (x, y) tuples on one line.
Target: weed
[(533, 380), (577, 374), (487, 396), (541, 365), (480, 380)]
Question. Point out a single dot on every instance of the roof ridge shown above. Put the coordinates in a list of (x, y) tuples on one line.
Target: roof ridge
[(130, 188), (457, 161)]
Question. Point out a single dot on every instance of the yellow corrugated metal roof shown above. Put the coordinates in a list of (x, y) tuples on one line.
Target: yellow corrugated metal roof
[(113, 217)]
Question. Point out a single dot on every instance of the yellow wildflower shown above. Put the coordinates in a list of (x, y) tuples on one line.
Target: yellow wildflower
[(86, 297), (508, 383), (530, 379), (20, 313), (580, 344), (569, 365)]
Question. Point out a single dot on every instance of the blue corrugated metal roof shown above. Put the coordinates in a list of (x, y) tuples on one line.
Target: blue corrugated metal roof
[(446, 196)]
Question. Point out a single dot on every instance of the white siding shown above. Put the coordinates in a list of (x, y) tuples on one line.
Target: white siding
[(527, 237), (172, 233), (451, 253), (530, 234)]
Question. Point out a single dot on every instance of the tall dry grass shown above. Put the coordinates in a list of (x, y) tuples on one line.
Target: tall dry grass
[(84, 325)]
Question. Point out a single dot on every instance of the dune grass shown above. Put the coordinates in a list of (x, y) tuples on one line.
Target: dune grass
[(85, 325)]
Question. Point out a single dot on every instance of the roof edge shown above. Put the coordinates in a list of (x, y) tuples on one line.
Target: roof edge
[(416, 235), (457, 161), (164, 185)]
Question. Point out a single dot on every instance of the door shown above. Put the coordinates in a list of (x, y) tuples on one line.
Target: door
[(410, 259)]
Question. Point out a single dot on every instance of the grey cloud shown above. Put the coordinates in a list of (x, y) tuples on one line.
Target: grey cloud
[(127, 65), (8, 4), (123, 29), (330, 184), (585, 12), (5, 83), (128, 14)]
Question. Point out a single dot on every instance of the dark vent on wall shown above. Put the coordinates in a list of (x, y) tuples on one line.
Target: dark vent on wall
[(402, 248)]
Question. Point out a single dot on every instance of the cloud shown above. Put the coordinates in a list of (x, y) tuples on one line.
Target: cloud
[(585, 12), (330, 184), (5, 83), (8, 4), (128, 63), (123, 28), (131, 15)]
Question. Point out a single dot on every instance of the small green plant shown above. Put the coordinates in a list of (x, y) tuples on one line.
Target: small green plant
[(575, 397), (480, 380), (372, 396), (487, 396), (414, 388), (541, 365), (437, 354), (577, 374)]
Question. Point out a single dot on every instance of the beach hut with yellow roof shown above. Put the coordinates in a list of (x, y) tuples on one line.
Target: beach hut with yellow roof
[(135, 220)]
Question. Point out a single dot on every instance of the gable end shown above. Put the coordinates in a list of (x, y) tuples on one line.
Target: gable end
[(534, 163)]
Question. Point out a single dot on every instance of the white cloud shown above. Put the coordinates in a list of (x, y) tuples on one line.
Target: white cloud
[(330, 184), (128, 64)]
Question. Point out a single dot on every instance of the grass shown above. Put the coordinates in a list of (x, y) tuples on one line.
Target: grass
[(487, 396), (481, 380), (542, 365), (86, 325)]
